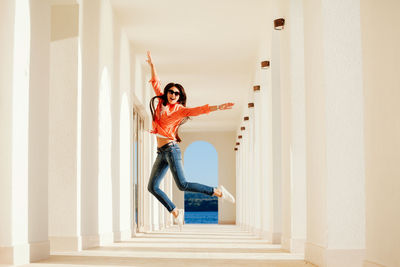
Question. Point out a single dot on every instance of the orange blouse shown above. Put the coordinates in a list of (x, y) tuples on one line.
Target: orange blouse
[(167, 118)]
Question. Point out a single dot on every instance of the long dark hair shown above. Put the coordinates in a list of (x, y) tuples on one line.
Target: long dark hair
[(164, 99)]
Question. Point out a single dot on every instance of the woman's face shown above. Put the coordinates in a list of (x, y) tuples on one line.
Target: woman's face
[(173, 95)]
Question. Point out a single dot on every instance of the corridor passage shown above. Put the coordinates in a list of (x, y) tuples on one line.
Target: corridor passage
[(196, 245)]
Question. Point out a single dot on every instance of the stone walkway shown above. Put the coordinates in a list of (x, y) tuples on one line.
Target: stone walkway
[(196, 245)]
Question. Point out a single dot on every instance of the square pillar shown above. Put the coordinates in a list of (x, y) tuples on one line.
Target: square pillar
[(335, 133), (14, 120), (64, 131), (38, 129)]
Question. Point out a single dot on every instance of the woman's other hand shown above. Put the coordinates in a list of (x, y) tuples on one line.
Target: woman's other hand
[(226, 106), (149, 60)]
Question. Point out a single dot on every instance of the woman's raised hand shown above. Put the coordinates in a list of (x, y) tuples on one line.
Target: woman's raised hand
[(153, 68), (226, 106), (149, 60)]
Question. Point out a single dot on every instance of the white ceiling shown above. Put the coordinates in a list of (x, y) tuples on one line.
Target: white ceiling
[(209, 46)]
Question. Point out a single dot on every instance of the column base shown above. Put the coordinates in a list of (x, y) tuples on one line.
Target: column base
[(293, 245), (144, 228), (39, 250), (263, 235), (315, 254), (97, 240), (122, 235), (246, 227), (15, 255), (273, 238), (65, 243), (321, 256), (276, 238), (257, 232), (156, 227)]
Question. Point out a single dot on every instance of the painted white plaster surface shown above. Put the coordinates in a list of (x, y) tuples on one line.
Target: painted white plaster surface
[(382, 130)]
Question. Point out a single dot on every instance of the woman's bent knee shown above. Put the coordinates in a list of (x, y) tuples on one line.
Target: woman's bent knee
[(182, 186), (151, 189)]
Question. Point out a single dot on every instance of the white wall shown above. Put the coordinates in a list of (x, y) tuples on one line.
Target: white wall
[(223, 142), (380, 26)]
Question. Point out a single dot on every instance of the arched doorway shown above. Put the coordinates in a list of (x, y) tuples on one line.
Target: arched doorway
[(201, 166)]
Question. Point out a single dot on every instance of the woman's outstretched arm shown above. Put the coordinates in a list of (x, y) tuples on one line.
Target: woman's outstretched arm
[(185, 112), (155, 81)]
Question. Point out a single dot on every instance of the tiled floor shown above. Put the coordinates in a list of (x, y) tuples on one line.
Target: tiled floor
[(196, 245)]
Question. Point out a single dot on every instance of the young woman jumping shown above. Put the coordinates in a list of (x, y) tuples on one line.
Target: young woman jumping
[(170, 113)]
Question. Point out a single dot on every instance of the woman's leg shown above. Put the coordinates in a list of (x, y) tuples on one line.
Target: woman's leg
[(174, 160), (158, 171)]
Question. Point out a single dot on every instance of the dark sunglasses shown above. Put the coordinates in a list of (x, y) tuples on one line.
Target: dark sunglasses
[(172, 92)]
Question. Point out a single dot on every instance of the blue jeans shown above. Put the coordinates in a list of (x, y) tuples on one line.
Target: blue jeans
[(169, 155)]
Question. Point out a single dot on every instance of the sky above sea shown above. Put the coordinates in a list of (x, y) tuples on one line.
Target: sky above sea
[(201, 163)]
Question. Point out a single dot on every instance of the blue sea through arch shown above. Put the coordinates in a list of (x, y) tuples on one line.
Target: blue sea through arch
[(201, 166)]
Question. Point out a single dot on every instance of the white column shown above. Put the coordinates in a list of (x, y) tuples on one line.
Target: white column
[(251, 177), (238, 187), (249, 171), (298, 131), (246, 182), (124, 113), (63, 171), (14, 119), (121, 132), (243, 182), (7, 19), (242, 179), (89, 47), (267, 153), (257, 162), (335, 139), (147, 164), (275, 183), (286, 145), (242, 186), (122, 209), (291, 40), (96, 198), (38, 129)]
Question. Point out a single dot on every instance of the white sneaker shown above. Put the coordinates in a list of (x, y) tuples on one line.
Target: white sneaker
[(180, 220), (226, 195)]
